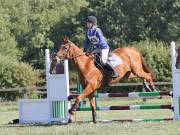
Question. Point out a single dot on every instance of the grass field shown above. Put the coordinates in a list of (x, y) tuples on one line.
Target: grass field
[(9, 111)]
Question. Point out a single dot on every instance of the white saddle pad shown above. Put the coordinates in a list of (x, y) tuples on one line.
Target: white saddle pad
[(115, 60)]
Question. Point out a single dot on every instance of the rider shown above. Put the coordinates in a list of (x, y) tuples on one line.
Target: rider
[(95, 36)]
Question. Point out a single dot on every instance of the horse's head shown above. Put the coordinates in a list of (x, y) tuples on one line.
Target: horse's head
[(62, 54), (68, 50), (58, 58), (65, 49)]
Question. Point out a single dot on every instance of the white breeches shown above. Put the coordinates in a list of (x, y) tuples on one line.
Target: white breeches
[(103, 54)]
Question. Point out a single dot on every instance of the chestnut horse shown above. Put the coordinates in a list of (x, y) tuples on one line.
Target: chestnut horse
[(92, 78)]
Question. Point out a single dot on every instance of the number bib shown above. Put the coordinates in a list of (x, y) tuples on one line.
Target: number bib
[(94, 39)]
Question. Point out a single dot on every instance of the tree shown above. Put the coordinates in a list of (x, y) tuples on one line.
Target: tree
[(7, 40), (135, 20)]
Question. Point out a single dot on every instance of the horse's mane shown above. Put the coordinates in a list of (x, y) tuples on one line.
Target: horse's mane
[(76, 47), (79, 53)]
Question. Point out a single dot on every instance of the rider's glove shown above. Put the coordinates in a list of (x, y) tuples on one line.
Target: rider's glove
[(85, 50)]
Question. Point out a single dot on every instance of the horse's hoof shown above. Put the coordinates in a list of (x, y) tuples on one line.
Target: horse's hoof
[(70, 112), (15, 121), (144, 99), (153, 88), (147, 89), (69, 120)]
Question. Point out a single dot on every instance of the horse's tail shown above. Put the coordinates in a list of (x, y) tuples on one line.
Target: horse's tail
[(147, 69)]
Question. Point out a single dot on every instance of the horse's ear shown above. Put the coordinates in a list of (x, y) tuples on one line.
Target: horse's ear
[(65, 39)]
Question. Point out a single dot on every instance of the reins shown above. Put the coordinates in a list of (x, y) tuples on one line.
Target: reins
[(72, 56), (77, 56), (60, 57)]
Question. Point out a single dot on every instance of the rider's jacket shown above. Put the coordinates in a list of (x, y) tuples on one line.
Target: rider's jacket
[(95, 36)]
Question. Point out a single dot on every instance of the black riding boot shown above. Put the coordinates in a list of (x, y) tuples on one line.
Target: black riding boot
[(115, 74)]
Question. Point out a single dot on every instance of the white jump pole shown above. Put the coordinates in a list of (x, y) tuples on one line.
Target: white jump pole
[(58, 90), (176, 82)]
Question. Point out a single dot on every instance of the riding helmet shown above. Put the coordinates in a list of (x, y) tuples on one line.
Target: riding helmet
[(91, 19)]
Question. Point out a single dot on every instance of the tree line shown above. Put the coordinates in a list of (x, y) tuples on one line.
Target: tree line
[(28, 27)]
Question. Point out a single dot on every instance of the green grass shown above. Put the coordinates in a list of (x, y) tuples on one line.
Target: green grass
[(9, 111)]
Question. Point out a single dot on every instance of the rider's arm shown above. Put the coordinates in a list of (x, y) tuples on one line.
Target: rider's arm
[(86, 43), (102, 41)]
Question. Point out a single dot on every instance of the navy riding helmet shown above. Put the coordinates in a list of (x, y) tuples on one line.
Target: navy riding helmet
[(91, 19)]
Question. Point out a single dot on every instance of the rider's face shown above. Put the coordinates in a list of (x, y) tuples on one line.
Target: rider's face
[(89, 25)]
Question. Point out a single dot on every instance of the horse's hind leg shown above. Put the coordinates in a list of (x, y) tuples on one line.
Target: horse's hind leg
[(146, 86), (150, 86), (146, 78), (93, 106)]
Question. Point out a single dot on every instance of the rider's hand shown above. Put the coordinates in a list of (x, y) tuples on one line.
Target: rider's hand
[(85, 50), (87, 53)]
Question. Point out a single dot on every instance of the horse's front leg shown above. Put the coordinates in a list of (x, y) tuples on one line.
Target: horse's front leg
[(88, 90), (93, 106)]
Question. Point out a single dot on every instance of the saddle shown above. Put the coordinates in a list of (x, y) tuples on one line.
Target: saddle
[(112, 58)]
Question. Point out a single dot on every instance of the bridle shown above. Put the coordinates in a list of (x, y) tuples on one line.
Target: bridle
[(68, 50), (66, 55)]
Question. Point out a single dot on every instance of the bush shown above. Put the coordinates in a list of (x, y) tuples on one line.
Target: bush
[(157, 57), (15, 74)]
